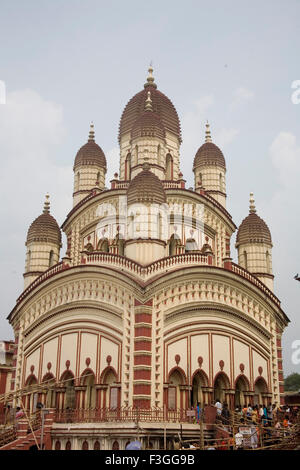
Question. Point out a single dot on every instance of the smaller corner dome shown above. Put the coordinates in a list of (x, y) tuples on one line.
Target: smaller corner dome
[(44, 228), (90, 153), (253, 228), (148, 124), (209, 154), (146, 187)]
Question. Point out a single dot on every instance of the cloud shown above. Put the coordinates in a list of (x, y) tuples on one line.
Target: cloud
[(113, 164), (225, 136), (31, 133), (241, 96), (285, 157)]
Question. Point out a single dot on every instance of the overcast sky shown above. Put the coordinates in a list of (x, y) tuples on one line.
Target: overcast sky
[(66, 63)]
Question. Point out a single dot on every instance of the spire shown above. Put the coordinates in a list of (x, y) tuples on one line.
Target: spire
[(207, 133), (46, 205), (150, 78), (148, 102), (252, 208), (91, 133)]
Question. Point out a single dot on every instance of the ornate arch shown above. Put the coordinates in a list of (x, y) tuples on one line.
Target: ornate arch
[(222, 374), (105, 371), (180, 371), (65, 373), (29, 378), (245, 380), (203, 374), (261, 379), (48, 376), (86, 373)]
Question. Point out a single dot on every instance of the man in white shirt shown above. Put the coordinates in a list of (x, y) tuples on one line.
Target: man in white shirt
[(239, 439), (218, 405)]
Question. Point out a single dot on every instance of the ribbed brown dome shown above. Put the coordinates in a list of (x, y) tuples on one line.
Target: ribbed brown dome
[(148, 124), (209, 154), (90, 154), (146, 187), (161, 106), (44, 229), (253, 229)]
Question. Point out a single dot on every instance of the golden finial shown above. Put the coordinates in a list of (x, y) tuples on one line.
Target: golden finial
[(252, 204), (150, 78), (207, 133), (91, 133), (148, 102), (46, 205)]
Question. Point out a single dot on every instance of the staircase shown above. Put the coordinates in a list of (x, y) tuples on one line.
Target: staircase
[(22, 437)]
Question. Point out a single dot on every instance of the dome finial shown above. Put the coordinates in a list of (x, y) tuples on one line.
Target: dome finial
[(148, 102), (46, 205), (150, 78), (207, 133), (91, 133), (252, 204)]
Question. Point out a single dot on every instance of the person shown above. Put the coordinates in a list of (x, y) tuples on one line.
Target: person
[(254, 416), (239, 440), (19, 413), (249, 411), (225, 414), (198, 412), (218, 405), (270, 413), (261, 412), (265, 416), (277, 433)]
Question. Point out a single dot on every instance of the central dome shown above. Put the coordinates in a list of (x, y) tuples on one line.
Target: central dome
[(161, 104), (146, 188)]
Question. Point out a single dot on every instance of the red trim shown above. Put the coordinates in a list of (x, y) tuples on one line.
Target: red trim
[(201, 372), (245, 379), (105, 371)]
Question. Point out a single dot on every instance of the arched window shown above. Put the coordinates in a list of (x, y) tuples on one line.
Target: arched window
[(128, 167), (191, 245), (89, 247), (268, 260), (28, 260), (159, 226), (260, 388), (68, 445), (98, 178), (169, 167), (115, 446), (103, 245), (85, 445), (32, 398), (51, 258), (173, 243), (97, 445), (200, 179), (57, 445), (221, 182), (245, 260), (77, 184)]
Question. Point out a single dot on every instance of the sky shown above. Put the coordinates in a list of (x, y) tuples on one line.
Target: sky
[(65, 63)]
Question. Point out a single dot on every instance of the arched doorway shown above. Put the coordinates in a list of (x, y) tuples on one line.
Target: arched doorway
[(241, 386), (111, 397), (260, 388), (49, 381), (221, 383), (32, 397), (85, 445), (115, 446), (173, 244), (198, 382), (88, 380), (175, 397), (68, 382)]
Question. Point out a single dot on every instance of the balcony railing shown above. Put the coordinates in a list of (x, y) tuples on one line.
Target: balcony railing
[(97, 415), (163, 265)]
